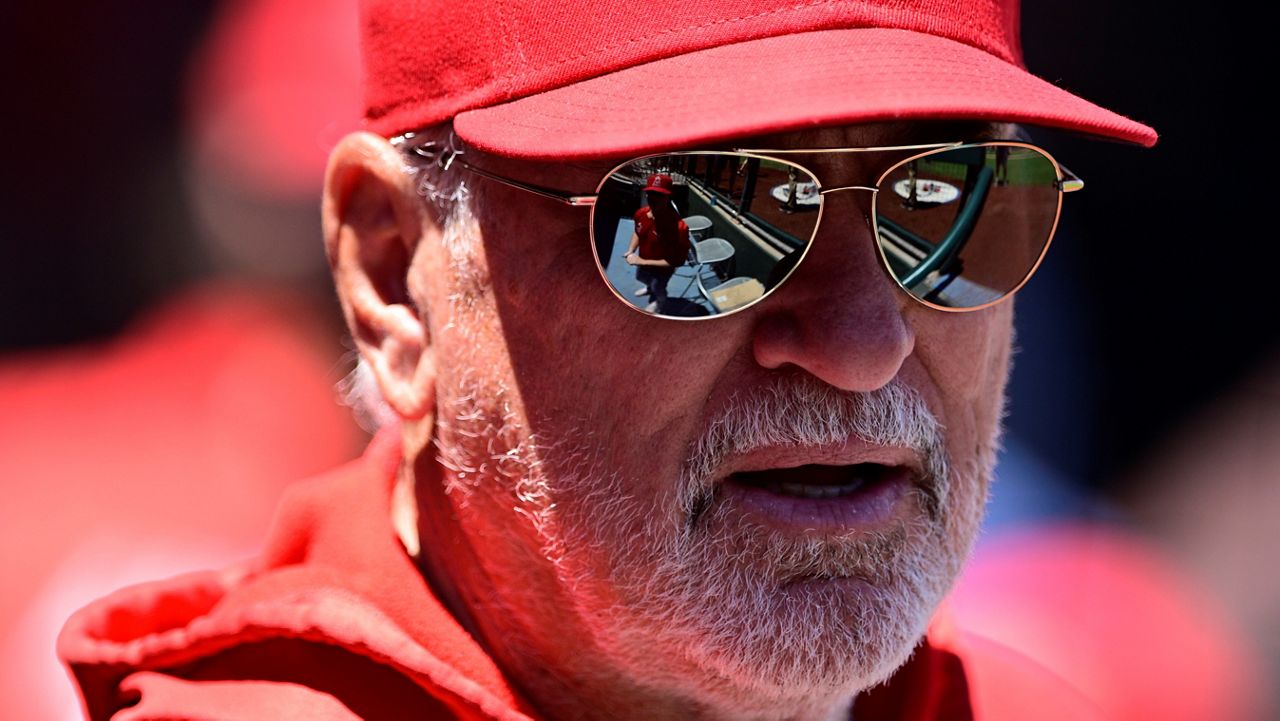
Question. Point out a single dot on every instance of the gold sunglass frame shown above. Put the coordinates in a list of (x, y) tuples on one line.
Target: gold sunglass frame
[(1067, 182)]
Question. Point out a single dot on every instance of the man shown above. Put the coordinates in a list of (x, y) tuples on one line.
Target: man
[(768, 530), (660, 243)]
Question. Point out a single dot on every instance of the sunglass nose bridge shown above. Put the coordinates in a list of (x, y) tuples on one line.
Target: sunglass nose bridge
[(827, 191)]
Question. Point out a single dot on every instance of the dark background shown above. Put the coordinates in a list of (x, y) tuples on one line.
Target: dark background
[(1149, 306)]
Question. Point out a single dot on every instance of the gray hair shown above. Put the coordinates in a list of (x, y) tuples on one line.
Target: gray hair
[(428, 156)]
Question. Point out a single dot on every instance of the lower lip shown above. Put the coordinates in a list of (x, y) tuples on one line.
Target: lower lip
[(868, 509)]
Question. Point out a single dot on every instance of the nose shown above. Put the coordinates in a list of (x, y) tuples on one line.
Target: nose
[(838, 316)]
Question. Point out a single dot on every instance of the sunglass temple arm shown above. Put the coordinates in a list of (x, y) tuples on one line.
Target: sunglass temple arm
[(446, 156), (566, 198)]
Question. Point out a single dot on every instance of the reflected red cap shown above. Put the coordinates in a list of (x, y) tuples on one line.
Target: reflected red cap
[(571, 79), (659, 183)]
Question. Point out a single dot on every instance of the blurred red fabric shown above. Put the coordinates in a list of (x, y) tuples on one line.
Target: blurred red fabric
[(272, 89), (1108, 612), (158, 452)]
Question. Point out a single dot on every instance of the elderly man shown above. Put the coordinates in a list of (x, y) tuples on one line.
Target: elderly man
[(581, 508)]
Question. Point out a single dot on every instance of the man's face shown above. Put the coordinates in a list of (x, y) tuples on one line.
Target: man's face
[(754, 508), (659, 201)]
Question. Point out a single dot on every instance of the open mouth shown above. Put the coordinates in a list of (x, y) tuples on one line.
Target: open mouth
[(822, 498), (817, 481)]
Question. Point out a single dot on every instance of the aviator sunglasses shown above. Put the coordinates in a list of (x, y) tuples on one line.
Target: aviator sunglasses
[(704, 233)]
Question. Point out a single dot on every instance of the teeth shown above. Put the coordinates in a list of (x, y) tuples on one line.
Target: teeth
[(802, 490)]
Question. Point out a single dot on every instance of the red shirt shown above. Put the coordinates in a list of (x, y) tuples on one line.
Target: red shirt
[(334, 621), (657, 245)]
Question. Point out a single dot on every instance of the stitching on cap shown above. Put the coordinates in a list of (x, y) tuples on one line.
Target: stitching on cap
[(508, 89), (723, 21), (524, 61)]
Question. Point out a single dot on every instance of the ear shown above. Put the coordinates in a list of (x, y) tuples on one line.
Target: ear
[(373, 226)]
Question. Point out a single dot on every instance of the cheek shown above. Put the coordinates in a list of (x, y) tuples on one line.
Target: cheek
[(965, 352), (584, 364), (966, 357)]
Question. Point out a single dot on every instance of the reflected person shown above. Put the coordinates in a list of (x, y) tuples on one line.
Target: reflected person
[(660, 243)]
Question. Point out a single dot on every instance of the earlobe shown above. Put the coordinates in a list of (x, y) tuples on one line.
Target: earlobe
[(373, 225)]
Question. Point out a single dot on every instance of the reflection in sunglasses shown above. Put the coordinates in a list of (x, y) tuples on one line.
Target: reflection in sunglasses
[(964, 227), (747, 221), (706, 233)]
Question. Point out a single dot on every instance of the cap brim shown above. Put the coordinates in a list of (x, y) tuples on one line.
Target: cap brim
[(778, 84)]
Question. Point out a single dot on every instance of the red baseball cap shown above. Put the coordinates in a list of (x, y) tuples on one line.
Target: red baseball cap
[(658, 183), (576, 80)]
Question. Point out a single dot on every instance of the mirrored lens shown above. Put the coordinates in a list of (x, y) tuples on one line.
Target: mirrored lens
[(692, 235), (965, 226)]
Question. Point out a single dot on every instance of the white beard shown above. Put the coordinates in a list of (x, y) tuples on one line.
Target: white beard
[(690, 596)]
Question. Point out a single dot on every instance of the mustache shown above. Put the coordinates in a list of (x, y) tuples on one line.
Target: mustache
[(797, 409)]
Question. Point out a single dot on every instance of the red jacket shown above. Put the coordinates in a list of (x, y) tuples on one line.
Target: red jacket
[(333, 621)]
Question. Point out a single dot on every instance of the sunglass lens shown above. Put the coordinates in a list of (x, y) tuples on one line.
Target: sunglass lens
[(702, 234), (965, 226)]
